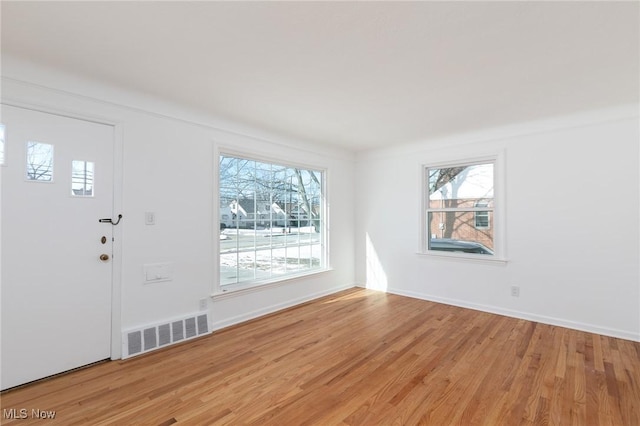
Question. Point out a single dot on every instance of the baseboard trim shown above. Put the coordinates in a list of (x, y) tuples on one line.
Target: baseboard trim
[(227, 322), (590, 328)]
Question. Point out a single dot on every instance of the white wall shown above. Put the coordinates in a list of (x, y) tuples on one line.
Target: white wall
[(572, 216), (166, 155), (572, 210)]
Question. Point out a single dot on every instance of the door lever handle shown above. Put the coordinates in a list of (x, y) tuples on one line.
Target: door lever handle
[(109, 220)]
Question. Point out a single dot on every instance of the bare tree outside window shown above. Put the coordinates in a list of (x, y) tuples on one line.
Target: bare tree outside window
[(459, 208), (271, 220), (39, 161)]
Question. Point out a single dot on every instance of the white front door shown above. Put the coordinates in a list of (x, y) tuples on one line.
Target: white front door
[(56, 269)]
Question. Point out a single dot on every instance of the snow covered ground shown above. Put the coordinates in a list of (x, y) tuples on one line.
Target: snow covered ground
[(248, 254)]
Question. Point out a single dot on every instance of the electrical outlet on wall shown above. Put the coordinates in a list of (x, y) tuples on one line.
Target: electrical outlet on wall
[(203, 304), (149, 218), (515, 291)]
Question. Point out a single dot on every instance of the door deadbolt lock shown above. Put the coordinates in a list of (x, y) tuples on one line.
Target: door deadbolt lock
[(104, 257)]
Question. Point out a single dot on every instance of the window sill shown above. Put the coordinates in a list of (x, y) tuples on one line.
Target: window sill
[(461, 257), (255, 286)]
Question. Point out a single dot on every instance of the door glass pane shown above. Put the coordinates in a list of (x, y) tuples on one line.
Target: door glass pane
[(82, 178), (39, 161)]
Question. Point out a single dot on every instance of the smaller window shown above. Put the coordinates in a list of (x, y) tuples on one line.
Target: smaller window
[(459, 206), (2, 154), (82, 178), (39, 162)]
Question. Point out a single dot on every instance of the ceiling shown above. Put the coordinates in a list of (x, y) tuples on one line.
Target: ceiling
[(360, 75)]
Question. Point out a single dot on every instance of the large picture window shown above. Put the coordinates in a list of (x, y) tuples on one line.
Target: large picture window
[(460, 208), (271, 221)]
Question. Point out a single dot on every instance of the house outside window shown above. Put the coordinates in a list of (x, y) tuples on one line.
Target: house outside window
[(482, 217), (459, 209), (272, 221)]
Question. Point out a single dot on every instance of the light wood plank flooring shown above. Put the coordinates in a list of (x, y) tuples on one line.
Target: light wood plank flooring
[(358, 358)]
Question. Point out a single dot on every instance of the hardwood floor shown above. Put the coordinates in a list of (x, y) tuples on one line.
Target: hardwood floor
[(357, 358)]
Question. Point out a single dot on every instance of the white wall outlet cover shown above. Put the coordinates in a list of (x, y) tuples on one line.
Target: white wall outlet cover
[(149, 218), (203, 304)]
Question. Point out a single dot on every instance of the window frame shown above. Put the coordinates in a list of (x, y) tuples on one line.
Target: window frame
[(221, 290), (499, 202)]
